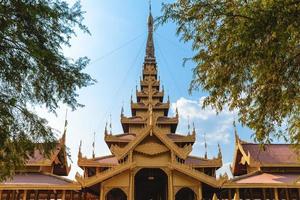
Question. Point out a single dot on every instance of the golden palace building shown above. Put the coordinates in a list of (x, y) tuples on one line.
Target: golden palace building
[(150, 161)]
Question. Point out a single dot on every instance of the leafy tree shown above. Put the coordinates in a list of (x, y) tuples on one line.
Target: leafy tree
[(34, 71), (247, 56)]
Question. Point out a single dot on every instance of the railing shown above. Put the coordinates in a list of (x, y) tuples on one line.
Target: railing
[(103, 175), (188, 169)]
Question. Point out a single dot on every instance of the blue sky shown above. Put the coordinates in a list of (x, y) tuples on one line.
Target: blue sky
[(116, 48)]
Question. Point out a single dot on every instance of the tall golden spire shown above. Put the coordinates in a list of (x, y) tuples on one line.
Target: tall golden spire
[(150, 57)]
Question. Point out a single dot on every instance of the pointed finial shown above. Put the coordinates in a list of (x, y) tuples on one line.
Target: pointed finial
[(194, 130), (93, 145), (220, 152), (122, 110), (177, 114), (150, 6), (65, 127), (110, 125), (189, 127), (131, 101), (237, 139), (105, 130), (168, 98), (79, 150), (205, 146)]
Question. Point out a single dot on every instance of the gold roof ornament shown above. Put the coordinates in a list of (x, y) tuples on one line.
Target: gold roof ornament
[(110, 125), (194, 130), (215, 197), (79, 150), (220, 152), (189, 126), (205, 146), (122, 111), (105, 130), (93, 145)]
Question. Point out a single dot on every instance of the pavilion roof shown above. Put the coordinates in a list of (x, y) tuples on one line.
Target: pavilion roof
[(202, 162), (103, 161), (57, 157), (262, 179), (268, 155), (39, 180), (272, 154)]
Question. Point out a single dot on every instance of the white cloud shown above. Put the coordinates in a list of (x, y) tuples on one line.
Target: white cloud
[(217, 128), (191, 109)]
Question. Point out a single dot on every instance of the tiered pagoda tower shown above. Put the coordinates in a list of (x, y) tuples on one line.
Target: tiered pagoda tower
[(149, 160)]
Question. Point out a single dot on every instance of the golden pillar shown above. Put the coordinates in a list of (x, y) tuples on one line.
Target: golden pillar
[(237, 194), (24, 195), (101, 196), (63, 195), (287, 194), (131, 186), (170, 184), (200, 195), (276, 194)]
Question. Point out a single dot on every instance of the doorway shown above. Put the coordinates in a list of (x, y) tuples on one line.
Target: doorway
[(151, 184)]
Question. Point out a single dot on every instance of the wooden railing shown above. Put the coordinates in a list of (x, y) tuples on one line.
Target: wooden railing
[(99, 177), (189, 170)]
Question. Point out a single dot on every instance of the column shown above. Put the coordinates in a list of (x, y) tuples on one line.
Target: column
[(264, 194), (170, 183), (237, 194), (200, 195), (14, 194), (49, 195), (131, 185), (63, 197), (299, 193), (287, 194), (0, 194), (36, 195), (276, 194), (24, 195), (101, 192)]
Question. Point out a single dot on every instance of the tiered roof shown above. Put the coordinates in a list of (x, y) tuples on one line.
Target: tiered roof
[(42, 173), (256, 156), (269, 165), (149, 118)]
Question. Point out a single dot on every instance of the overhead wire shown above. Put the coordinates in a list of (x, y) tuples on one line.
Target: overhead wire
[(116, 49), (170, 71), (131, 66)]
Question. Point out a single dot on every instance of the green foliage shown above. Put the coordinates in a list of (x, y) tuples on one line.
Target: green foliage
[(34, 71), (247, 55)]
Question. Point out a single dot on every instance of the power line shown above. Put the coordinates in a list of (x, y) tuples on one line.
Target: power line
[(169, 71), (131, 66), (115, 50)]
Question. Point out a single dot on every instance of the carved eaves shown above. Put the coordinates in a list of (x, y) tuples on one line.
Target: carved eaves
[(151, 148)]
